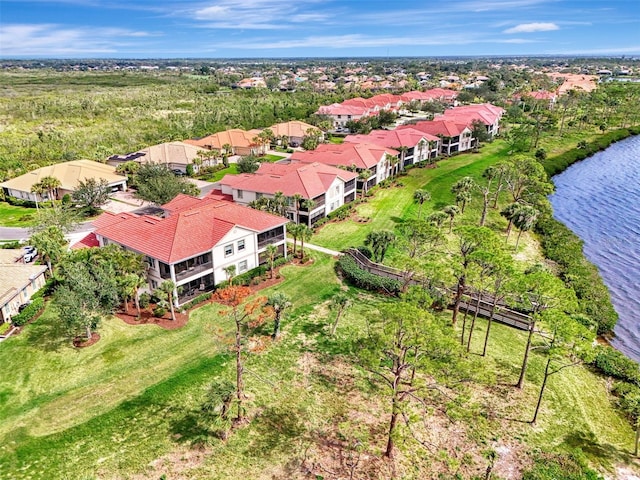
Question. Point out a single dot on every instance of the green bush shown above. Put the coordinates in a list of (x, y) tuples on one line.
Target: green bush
[(342, 212), (615, 364), (366, 280), (247, 277), (30, 311), (144, 300), (563, 247), (4, 328), (46, 290), (159, 312), (199, 299)]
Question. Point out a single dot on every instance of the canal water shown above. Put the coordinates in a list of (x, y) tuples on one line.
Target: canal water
[(599, 200)]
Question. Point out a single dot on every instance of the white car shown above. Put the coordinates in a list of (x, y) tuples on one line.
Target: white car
[(30, 254)]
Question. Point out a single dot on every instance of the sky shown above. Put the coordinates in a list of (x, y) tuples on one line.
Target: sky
[(316, 28)]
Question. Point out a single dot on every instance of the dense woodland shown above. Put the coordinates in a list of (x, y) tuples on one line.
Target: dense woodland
[(325, 375)]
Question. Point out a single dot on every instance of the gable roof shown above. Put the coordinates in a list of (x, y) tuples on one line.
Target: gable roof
[(68, 173), (15, 275), (362, 155), (193, 226), (485, 112), (307, 179)]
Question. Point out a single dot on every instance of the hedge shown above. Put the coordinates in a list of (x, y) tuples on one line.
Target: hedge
[(615, 364), (197, 300), (366, 280), (563, 247), (30, 311), (4, 328)]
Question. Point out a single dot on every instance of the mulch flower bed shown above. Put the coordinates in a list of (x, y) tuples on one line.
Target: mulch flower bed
[(82, 342)]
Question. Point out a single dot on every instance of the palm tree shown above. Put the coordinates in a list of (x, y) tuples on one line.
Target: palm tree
[(462, 190), (364, 176), (279, 302), (403, 153), (50, 185), (380, 241), (309, 205), (305, 233), (230, 272), (392, 160), (37, 189), (168, 288), (437, 218), (271, 252), (297, 199), (421, 196), (421, 144), (280, 204), (525, 218), (339, 303), (509, 213), (294, 230), (452, 211)]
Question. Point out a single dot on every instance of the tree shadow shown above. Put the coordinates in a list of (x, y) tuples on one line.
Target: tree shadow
[(276, 427), (588, 443), (191, 429), (397, 220), (48, 336)]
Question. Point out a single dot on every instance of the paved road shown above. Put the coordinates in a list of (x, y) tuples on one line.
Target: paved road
[(17, 233)]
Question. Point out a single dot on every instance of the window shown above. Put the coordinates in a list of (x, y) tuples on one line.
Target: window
[(240, 245), (240, 193), (259, 195), (242, 266), (337, 189), (228, 250)]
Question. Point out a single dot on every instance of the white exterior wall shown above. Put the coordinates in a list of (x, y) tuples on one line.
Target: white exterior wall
[(466, 139), (249, 254), (334, 197)]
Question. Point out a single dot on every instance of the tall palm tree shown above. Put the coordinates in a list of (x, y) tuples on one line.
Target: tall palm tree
[(339, 303), (421, 196), (297, 199), (168, 287), (403, 153), (524, 219), (305, 234), (452, 211), (230, 272), (462, 190), (364, 177), (279, 302), (309, 205), (50, 185)]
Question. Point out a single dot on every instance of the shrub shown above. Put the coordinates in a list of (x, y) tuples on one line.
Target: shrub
[(366, 280), (341, 213), (4, 328), (615, 364), (197, 300), (247, 277), (29, 312), (144, 300), (66, 199), (563, 247), (366, 251), (190, 170), (159, 312)]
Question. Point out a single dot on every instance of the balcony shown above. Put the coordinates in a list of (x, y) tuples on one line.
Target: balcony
[(192, 270), (267, 241)]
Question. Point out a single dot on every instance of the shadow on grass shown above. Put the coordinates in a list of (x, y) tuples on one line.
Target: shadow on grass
[(276, 428), (588, 443), (48, 336)]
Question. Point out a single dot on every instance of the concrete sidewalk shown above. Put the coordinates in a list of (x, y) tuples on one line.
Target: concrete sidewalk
[(318, 248)]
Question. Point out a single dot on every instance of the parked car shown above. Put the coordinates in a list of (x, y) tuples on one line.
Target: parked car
[(30, 254), (178, 172)]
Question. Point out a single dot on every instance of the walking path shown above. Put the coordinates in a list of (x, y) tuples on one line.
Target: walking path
[(318, 248)]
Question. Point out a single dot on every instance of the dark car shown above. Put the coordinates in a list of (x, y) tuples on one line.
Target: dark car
[(178, 172)]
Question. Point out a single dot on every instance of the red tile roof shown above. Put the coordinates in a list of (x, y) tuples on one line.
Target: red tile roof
[(192, 227), (485, 112), (89, 241), (362, 155), (307, 179), (407, 137), (446, 128)]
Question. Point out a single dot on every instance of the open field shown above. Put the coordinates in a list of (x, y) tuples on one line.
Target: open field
[(128, 407)]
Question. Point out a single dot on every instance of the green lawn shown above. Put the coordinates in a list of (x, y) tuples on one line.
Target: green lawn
[(388, 206), (12, 216), (232, 169), (270, 158)]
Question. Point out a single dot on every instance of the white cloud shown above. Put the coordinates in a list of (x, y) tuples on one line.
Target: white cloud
[(55, 40), (533, 27)]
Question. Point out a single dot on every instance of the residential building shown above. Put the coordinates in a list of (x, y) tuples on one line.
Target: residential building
[(454, 136), (195, 241), (241, 142), (18, 282), (414, 146), (359, 157), (174, 155), (329, 187), (70, 174), (340, 114), (294, 131), (486, 113)]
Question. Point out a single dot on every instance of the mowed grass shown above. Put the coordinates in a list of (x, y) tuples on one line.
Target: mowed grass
[(117, 405), (13, 216), (389, 206)]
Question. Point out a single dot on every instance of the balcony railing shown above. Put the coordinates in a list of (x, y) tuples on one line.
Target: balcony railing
[(189, 272), (269, 240)]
